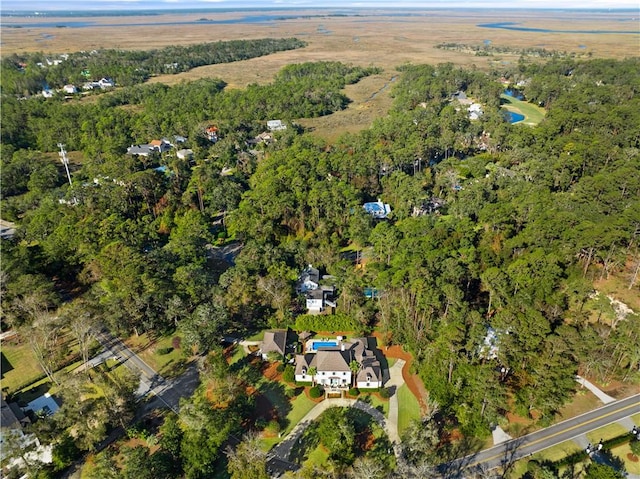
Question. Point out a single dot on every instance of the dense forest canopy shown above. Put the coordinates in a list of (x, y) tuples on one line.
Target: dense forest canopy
[(527, 217)]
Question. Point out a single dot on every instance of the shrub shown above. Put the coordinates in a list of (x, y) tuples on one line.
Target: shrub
[(289, 374), (335, 322), (385, 393), (290, 393), (280, 367), (635, 447), (273, 427), (175, 342), (163, 351), (354, 392), (315, 392)]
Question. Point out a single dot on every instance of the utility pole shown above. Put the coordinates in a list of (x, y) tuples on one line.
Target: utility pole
[(65, 161)]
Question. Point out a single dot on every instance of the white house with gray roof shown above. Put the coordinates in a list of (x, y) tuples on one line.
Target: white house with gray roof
[(333, 365)]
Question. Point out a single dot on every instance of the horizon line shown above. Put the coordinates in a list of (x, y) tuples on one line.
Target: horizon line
[(170, 7)]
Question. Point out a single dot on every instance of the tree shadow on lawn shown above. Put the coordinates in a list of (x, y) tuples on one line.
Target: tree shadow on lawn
[(305, 444), (275, 393), (25, 397)]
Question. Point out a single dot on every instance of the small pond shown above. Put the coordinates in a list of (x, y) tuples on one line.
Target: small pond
[(514, 94), (513, 117)]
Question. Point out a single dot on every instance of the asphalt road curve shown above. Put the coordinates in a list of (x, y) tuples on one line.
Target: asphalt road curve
[(510, 451)]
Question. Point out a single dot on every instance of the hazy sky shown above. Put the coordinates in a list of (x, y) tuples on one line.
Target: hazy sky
[(43, 5)]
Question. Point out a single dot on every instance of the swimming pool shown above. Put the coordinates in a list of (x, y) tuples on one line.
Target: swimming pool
[(323, 344)]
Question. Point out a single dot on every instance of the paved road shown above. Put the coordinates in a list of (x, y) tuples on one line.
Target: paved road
[(167, 393), (515, 449)]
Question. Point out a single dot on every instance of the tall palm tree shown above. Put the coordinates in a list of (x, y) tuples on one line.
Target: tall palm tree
[(312, 371), (355, 367)]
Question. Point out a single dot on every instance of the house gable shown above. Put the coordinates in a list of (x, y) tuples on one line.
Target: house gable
[(274, 341)]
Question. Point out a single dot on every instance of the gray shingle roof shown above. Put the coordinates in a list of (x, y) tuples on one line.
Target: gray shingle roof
[(275, 341)]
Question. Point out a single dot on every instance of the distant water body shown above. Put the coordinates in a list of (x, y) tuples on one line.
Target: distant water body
[(518, 28), (82, 19)]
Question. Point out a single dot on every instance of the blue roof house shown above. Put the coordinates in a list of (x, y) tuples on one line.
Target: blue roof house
[(377, 209)]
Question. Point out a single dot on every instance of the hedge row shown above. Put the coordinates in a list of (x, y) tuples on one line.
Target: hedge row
[(581, 455), (322, 322)]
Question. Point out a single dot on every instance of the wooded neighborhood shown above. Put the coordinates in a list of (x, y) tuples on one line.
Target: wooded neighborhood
[(250, 285)]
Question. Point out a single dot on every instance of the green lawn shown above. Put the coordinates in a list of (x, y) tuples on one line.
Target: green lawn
[(317, 457), (532, 114), (259, 336), (622, 452), (374, 400), (238, 354), (408, 408), (300, 406), (168, 365), (606, 432), (21, 366)]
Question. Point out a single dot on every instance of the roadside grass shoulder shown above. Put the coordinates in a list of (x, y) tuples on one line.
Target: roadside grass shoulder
[(171, 364), (607, 432)]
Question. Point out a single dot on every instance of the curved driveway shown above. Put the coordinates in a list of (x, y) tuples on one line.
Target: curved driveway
[(283, 449)]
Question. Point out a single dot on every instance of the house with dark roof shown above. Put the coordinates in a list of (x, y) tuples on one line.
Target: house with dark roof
[(11, 416), (274, 342)]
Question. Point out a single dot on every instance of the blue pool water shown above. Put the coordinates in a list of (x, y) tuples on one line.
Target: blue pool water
[(323, 344)]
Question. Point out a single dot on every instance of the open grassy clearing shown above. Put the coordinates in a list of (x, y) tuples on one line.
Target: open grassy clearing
[(617, 286), (370, 100), (408, 408), (533, 114), (170, 364), (19, 366)]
